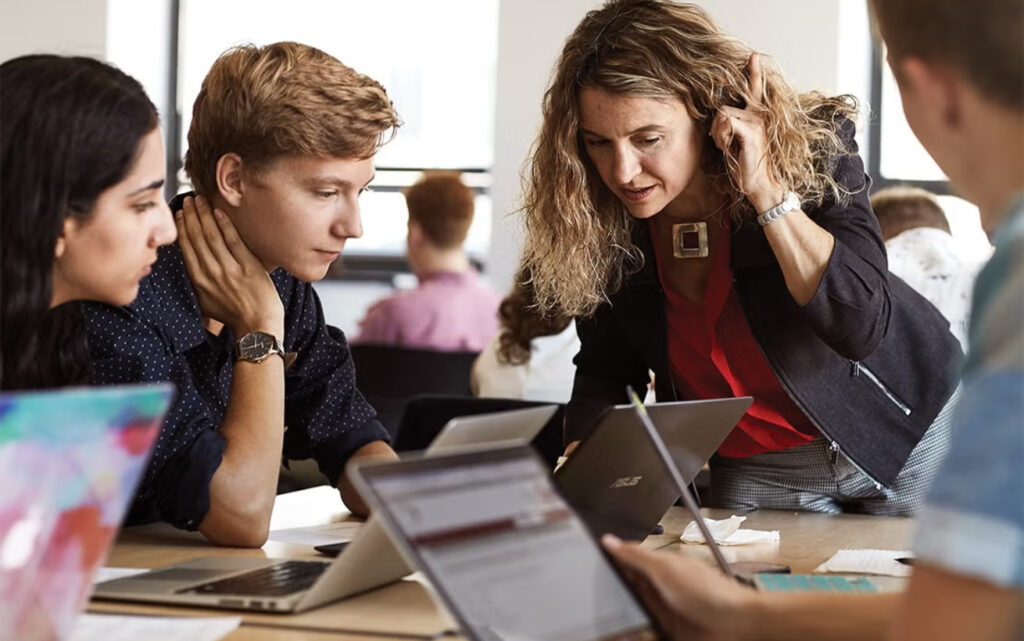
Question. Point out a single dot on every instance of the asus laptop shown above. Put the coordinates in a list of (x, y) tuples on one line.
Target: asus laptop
[(368, 561), (69, 464), (616, 480), (503, 550), (772, 581)]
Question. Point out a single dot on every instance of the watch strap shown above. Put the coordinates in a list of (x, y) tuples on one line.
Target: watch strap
[(790, 203)]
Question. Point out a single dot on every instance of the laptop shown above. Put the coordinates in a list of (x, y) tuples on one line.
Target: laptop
[(368, 561), (69, 464), (514, 426), (769, 581), (615, 479), (502, 548)]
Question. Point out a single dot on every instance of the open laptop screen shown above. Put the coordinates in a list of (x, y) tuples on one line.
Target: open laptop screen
[(503, 549)]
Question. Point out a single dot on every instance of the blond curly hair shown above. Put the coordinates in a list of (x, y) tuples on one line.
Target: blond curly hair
[(578, 248)]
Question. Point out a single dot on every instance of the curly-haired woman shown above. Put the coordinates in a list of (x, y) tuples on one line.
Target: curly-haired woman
[(703, 220), (81, 208)]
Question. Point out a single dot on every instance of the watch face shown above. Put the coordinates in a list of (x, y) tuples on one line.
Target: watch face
[(255, 345)]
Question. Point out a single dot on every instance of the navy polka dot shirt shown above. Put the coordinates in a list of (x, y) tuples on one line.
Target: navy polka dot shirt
[(160, 337)]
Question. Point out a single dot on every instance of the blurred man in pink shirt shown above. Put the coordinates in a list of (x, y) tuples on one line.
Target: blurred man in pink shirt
[(450, 310)]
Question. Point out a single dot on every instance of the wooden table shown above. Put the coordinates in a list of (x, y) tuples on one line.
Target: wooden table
[(405, 610)]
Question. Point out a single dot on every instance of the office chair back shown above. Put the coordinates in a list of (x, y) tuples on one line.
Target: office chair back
[(390, 376)]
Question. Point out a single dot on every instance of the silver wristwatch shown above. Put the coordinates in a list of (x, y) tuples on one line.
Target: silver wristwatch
[(790, 203), (255, 347)]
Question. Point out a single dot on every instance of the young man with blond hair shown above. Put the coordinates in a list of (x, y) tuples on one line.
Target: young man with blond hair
[(450, 310), (960, 69), (280, 147)]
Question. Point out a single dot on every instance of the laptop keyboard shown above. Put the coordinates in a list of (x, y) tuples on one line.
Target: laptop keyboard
[(814, 583), (274, 580)]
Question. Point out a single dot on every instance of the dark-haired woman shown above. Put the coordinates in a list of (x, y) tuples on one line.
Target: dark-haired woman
[(531, 357), (81, 208)]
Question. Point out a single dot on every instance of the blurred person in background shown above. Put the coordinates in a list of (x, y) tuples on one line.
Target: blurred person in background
[(450, 309), (923, 252)]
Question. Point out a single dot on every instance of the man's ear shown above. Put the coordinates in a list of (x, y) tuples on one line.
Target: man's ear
[(934, 87), (415, 237), (229, 178)]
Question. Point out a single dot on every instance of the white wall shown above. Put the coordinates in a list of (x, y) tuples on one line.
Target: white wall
[(138, 42), (133, 34), (820, 44), (52, 26), (530, 37)]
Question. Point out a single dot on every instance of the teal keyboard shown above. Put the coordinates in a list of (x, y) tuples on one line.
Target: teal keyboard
[(814, 583)]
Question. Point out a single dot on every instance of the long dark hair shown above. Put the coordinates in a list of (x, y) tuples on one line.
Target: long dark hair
[(70, 128), (522, 321)]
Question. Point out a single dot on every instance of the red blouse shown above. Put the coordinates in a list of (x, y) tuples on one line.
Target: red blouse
[(713, 354)]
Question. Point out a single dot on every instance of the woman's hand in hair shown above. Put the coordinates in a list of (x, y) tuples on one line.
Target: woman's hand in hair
[(739, 134), (231, 284)]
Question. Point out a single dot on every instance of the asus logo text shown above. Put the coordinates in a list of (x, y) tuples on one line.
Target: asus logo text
[(625, 481)]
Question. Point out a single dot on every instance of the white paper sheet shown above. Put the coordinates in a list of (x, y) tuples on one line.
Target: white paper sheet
[(318, 534), (109, 574), (116, 627), (881, 562)]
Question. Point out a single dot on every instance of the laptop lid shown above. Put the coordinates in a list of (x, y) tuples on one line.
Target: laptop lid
[(69, 464), (514, 426), (681, 484), (502, 548), (616, 479)]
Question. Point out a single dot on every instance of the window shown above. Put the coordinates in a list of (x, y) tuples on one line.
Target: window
[(437, 61), (897, 158)]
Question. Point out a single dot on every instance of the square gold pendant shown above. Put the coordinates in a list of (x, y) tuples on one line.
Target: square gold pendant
[(690, 240)]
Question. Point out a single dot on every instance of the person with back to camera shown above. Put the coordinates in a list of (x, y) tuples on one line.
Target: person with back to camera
[(531, 357), (703, 220), (923, 252), (959, 67), (81, 208), (281, 145), (450, 309)]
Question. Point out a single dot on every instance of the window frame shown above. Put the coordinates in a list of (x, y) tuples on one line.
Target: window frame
[(379, 267), (874, 168)]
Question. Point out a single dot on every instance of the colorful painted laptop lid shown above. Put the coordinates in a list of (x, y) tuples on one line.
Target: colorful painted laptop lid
[(69, 464)]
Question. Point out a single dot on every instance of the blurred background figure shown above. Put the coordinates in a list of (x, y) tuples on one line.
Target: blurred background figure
[(450, 309), (925, 255), (531, 357)]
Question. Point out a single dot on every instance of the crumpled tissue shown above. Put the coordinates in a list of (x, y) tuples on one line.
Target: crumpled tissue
[(728, 532)]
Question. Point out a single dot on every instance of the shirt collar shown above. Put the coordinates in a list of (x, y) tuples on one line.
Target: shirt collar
[(447, 275)]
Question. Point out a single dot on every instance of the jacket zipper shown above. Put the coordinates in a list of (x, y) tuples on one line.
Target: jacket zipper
[(833, 444), (859, 369)]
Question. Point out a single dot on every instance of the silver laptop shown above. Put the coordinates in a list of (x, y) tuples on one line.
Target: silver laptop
[(502, 549), (369, 561), (773, 581), (615, 479)]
